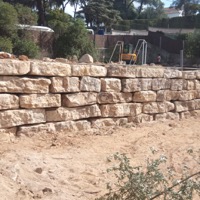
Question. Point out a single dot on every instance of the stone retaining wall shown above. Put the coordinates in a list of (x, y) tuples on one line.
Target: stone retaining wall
[(52, 96)]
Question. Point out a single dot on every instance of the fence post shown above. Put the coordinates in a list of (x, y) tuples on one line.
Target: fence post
[(181, 59)]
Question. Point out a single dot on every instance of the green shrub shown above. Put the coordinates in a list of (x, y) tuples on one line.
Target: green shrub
[(26, 47), (136, 183), (6, 44)]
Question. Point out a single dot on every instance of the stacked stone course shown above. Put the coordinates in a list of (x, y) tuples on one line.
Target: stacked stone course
[(38, 96)]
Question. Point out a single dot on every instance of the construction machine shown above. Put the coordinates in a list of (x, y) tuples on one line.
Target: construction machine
[(129, 54)]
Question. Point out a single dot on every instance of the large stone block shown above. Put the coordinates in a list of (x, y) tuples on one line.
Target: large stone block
[(197, 104), (66, 114), (133, 85), (89, 70), (181, 106), (172, 73), (189, 84), (150, 72), (8, 101), (177, 84), (144, 96), (89, 84), (14, 67), (64, 84), (111, 85), (186, 95), (79, 99), (189, 74), (197, 85), (167, 95), (50, 69), (120, 110), (198, 74), (198, 94), (161, 84), (14, 84), (141, 118), (11, 118), (111, 97), (121, 71), (157, 107), (54, 127), (40, 100), (167, 116)]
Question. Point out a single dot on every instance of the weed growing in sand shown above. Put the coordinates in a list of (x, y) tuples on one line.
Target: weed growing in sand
[(137, 183)]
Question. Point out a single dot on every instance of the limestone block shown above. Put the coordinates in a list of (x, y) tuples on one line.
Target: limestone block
[(54, 127), (133, 85), (111, 97), (86, 58), (11, 118), (181, 106), (198, 94), (66, 114), (79, 99), (150, 72), (121, 71), (197, 104), (141, 118), (64, 84), (144, 96), (120, 110), (172, 73), (62, 60), (167, 116), (177, 84), (167, 95), (14, 67), (186, 95), (189, 74), (197, 85), (8, 101), (188, 84), (158, 107), (40, 100), (89, 84), (7, 134), (89, 70), (111, 85), (161, 83), (50, 69), (198, 74), (14, 84), (99, 123)]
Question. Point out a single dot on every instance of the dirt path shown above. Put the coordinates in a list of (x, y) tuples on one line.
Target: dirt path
[(72, 166)]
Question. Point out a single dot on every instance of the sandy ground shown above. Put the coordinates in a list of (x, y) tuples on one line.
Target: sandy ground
[(73, 166)]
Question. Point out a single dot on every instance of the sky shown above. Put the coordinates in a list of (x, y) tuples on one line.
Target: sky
[(70, 10)]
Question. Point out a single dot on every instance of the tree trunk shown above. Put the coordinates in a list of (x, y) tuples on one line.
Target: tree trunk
[(41, 13)]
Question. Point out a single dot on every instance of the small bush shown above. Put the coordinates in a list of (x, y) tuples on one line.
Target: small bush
[(26, 47), (6, 44)]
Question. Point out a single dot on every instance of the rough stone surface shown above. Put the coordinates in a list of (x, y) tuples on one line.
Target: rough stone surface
[(89, 70), (150, 72), (121, 71), (167, 95), (172, 73), (79, 99), (144, 96), (186, 95), (66, 114), (112, 97), (7, 134), (86, 58), (50, 69), (120, 110), (62, 60), (89, 84), (197, 85), (40, 100), (12, 84), (157, 107), (189, 74), (161, 84), (64, 84), (141, 118), (181, 106), (111, 85), (188, 84), (177, 84), (11, 118), (133, 85), (198, 74), (167, 116), (8, 101), (14, 67)]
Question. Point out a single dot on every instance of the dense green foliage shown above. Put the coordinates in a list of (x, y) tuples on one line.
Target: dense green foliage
[(6, 44)]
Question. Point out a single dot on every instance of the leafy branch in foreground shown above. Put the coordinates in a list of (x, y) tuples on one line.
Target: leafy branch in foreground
[(136, 183)]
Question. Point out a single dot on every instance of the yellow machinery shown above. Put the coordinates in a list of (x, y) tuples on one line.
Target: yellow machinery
[(130, 55)]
